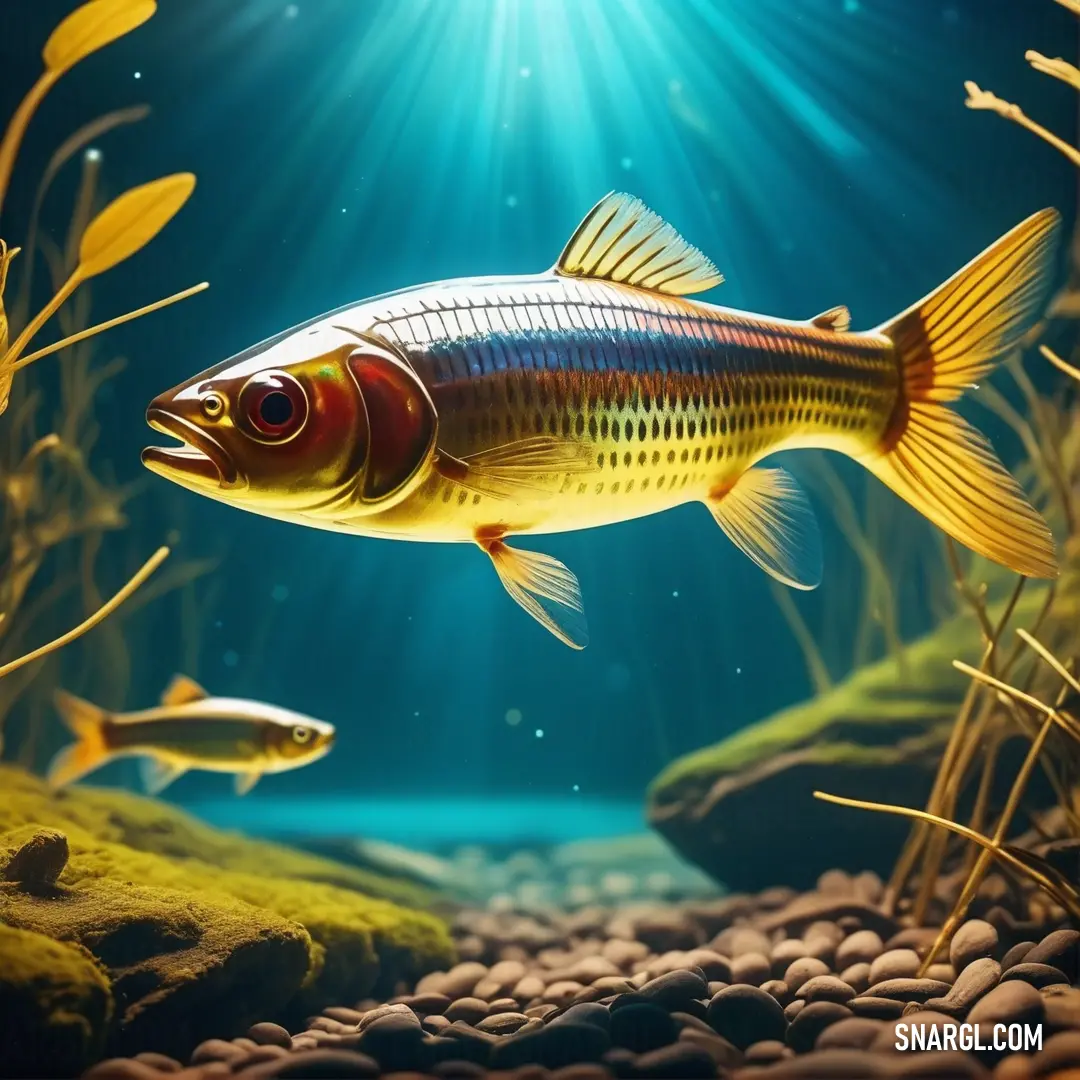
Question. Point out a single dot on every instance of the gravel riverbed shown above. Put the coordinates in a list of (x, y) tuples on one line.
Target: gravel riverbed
[(772, 986)]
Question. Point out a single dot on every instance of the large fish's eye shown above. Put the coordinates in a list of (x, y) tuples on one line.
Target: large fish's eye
[(301, 734), (212, 405), (273, 405)]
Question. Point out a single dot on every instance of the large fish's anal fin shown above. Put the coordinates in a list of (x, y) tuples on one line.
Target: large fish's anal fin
[(525, 467), (182, 691), (622, 240), (767, 515), (544, 587), (87, 722), (158, 774), (245, 781)]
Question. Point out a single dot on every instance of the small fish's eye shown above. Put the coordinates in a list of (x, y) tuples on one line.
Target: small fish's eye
[(301, 734), (273, 405), (213, 405)]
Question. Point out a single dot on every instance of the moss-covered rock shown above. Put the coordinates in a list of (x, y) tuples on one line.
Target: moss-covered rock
[(178, 933), (55, 1006), (183, 966), (743, 809)]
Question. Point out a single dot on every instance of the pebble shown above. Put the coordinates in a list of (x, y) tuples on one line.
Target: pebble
[(894, 964), (857, 977), (976, 980), (1039, 975), (908, 989), (745, 1015), (1060, 1051), (161, 1062), (1013, 1002), (974, 940), (767, 1052), (321, 1065), (803, 970), (642, 1027), (751, 968), (778, 989), (266, 1034), (683, 1060), (826, 988), (738, 940), (862, 947), (812, 1021), (850, 1033), (1061, 949), (469, 1009), (500, 979), (457, 982), (786, 952), (676, 989), (1016, 954), (877, 1008)]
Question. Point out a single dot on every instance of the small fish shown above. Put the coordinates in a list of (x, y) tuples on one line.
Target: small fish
[(189, 730), (483, 409)]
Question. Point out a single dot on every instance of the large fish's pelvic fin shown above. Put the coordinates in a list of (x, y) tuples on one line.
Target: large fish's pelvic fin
[(767, 515), (622, 240), (87, 723), (243, 782), (929, 455), (544, 587)]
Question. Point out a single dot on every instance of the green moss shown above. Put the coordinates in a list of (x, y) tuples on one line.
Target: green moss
[(151, 825), (357, 942), (55, 1006)]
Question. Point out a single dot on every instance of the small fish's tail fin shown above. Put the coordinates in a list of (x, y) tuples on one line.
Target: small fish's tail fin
[(87, 723), (929, 455)]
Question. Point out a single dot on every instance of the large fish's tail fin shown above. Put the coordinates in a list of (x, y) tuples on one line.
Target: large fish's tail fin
[(87, 723), (929, 455)]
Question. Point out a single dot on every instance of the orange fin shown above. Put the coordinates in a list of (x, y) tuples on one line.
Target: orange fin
[(182, 691), (545, 588), (516, 468), (87, 723), (931, 457), (837, 318), (769, 518)]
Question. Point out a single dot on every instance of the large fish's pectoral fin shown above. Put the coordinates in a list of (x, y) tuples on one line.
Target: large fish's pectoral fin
[(768, 516), (622, 240), (836, 318), (157, 775), (245, 781), (544, 587), (182, 691), (511, 470)]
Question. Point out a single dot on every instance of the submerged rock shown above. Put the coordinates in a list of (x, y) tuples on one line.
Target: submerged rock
[(55, 1006), (191, 946), (743, 808)]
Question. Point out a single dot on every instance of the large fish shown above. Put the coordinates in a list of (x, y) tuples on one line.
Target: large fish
[(189, 730), (482, 409)]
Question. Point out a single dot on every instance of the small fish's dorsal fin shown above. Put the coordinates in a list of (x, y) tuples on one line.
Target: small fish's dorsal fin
[(836, 318), (157, 775), (622, 240), (182, 691)]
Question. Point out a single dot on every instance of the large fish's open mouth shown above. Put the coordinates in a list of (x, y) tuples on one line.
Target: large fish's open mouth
[(199, 459)]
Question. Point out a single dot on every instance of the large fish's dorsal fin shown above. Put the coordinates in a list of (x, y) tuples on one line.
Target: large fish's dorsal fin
[(836, 318), (182, 691), (622, 240)]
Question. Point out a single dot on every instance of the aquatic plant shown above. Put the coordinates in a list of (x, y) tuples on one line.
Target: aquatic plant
[(50, 495), (1001, 700)]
